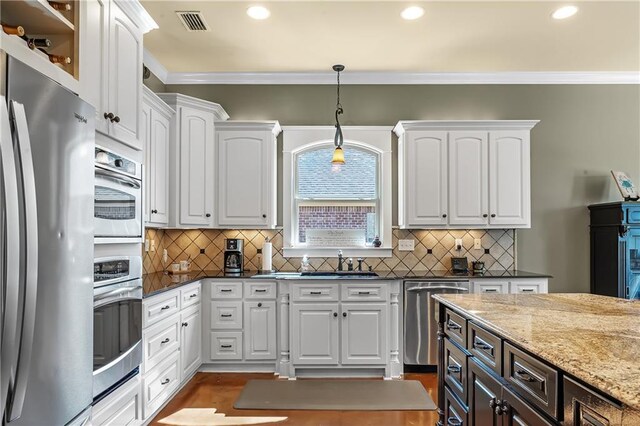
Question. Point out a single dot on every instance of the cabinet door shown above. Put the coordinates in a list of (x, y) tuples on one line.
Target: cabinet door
[(259, 330), (315, 334), (125, 79), (190, 341), (521, 414), (468, 178), (244, 178), (484, 393), (94, 58), (509, 180), (364, 333), (427, 178), (146, 138), (158, 169), (197, 158)]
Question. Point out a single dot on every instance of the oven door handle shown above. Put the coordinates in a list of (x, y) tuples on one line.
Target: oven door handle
[(117, 176), (118, 295)]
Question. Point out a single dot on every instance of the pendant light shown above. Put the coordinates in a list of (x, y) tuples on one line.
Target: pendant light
[(338, 139)]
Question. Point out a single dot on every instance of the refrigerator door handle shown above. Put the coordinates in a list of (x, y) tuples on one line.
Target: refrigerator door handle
[(11, 286), (31, 268)]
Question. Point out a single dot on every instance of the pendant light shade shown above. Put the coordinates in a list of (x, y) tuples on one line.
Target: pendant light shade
[(338, 139)]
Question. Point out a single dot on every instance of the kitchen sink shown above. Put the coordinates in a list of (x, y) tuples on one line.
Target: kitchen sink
[(338, 274)]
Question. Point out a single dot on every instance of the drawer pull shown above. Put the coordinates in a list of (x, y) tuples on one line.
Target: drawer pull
[(453, 325), (527, 290), (478, 343), (364, 293), (165, 381), (315, 293), (489, 290), (226, 315), (524, 376), (166, 340), (260, 290), (453, 421), (454, 369), (225, 346), (498, 406), (193, 295), (226, 290), (165, 307)]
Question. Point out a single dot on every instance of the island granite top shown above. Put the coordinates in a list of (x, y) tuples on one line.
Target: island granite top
[(594, 338)]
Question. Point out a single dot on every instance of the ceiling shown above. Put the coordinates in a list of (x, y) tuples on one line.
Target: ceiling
[(452, 36)]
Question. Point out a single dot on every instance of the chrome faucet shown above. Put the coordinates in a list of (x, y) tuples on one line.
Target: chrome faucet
[(340, 260)]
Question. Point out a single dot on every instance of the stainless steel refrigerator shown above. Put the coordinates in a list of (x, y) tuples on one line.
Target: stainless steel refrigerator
[(46, 251)]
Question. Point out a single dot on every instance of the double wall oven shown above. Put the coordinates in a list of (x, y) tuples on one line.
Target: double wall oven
[(118, 198), (117, 321)]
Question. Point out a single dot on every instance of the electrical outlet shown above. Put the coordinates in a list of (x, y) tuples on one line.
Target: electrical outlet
[(153, 246), (458, 244), (477, 244), (146, 245), (406, 245)]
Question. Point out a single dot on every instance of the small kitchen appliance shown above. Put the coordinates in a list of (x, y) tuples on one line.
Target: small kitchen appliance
[(233, 255), (478, 267), (459, 265)]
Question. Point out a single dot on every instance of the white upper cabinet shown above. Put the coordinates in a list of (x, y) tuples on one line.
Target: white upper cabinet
[(192, 168), (509, 178), (111, 71), (468, 178), (423, 179), (462, 174), (246, 170), (157, 131)]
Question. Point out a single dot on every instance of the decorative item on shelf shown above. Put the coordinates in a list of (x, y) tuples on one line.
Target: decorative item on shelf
[(304, 264), (39, 43), (625, 185), (60, 6), (13, 30), (58, 59), (377, 242), (338, 139)]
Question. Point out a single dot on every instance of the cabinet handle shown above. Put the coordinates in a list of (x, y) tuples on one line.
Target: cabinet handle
[(166, 340), (524, 376), (453, 326), (444, 215), (316, 293), (208, 215), (115, 119), (453, 421), (108, 116), (478, 343), (225, 346), (260, 290), (193, 295), (225, 290), (489, 290), (454, 369), (260, 305), (335, 314), (500, 407), (165, 307), (527, 290), (485, 215), (185, 324), (165, 381), (364, 293), (344, 314), (225, 315), (493, 215)]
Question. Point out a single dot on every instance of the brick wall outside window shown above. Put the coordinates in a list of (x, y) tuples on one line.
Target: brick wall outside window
[(336, 217)]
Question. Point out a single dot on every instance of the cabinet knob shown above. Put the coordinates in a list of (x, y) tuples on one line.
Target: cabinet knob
[(485, 215), (264, 216), (493, 215), (259, 305), (154, 211), (108, 116), (335, 314), (185, 324), (444, 215), (208, 215), (115, 119), (344, 314)]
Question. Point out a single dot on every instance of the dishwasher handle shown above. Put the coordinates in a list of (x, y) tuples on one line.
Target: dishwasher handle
[(440, 287)]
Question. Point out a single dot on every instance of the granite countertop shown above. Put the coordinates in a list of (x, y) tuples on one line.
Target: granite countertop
[(160, 281), (594, 338)]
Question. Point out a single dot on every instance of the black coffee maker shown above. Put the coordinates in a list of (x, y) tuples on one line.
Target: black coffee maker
[(233, 255)]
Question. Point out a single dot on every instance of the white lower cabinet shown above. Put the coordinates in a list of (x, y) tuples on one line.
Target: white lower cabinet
[(260, 330), (364, 333), (158, 385), (122, 407), (314, 336), (190, 337), (510, 285)]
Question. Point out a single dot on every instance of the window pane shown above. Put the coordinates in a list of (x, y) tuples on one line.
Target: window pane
[(318, 178), (360, 217)]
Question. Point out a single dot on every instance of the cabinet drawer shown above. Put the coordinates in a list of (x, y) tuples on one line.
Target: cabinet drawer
[(226, 315), (190, 296), (159, 383), (534, 380), (160, 340), (455, 370), (315, 292), (226, 290), (260, 290), (526, 288), (633, 215), (364, 292), (122, 407), (491, 287), (226, 345), (454, 413), (159, 307), (486, 346), (582, 406), (455, 327)]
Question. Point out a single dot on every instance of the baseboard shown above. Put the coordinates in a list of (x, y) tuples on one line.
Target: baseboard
[(238, 368)]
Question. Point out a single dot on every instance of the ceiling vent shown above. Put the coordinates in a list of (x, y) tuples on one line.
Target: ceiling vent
[(193, 21)]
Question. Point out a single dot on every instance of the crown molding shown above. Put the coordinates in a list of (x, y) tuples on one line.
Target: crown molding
[(403, 126), (176, 100), (375, 78), (138, 14), (272, 126)]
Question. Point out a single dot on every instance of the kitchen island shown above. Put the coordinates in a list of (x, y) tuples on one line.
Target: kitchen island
[(541, 359)]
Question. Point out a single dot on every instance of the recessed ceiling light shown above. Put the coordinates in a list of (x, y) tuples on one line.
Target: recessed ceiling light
[(412, 12), (564, 12), (258, 12)]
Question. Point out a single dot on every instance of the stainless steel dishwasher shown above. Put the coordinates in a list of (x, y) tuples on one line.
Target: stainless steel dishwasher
[(421, 318)]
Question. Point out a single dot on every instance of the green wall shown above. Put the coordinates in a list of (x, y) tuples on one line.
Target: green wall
[(584, 132)]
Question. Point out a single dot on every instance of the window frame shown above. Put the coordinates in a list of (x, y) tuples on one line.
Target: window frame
[(372, 139)]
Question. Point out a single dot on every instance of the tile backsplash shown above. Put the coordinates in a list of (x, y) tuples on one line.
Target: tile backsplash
[(433, 250)]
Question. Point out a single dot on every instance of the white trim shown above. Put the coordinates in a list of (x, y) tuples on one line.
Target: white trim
[(365, 77), (403, 126), (174, 100), (155, 66), (333, 252), (138, 14)]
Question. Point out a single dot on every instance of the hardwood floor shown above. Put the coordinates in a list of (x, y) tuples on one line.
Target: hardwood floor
[(220, 390)]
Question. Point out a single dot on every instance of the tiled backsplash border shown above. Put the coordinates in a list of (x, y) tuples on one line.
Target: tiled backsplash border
[(433, 250)]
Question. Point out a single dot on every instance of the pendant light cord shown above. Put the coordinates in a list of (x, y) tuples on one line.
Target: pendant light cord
[(338, 139)]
